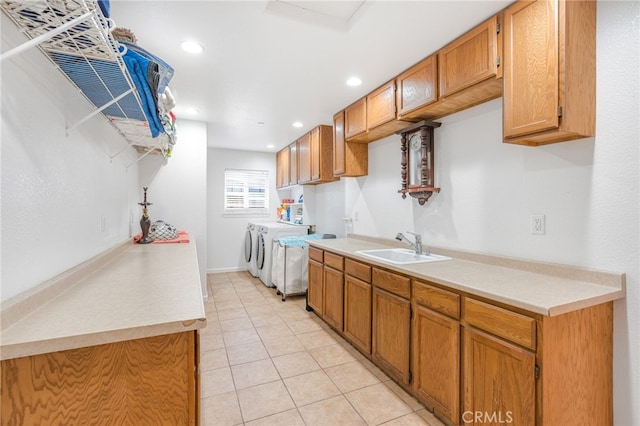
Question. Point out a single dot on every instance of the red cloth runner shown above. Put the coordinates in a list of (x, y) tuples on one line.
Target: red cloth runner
[(183, 237)]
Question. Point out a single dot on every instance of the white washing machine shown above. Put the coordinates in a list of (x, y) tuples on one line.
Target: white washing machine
[(266, 234), (251, 246)]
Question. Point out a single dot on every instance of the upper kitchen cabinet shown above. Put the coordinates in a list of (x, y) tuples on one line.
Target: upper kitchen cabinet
[(315, 156), (355, 119), (549, 75), (350, 159), (375, 116), (322, 154), (462, 74), (309, 160), (304, 158), (417, 86), (282, 168), (293, 163)]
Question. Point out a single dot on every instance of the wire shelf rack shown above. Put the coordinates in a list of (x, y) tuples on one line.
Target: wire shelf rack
[(76, 37)]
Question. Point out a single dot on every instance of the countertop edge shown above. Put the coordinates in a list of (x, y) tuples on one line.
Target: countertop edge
[(20, 350)]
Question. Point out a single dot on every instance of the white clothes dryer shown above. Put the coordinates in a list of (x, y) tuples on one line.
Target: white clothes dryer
[(266, 234)]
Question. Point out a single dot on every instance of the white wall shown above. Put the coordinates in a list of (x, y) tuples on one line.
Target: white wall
[(57, 190), (588, 189), (226, 234), (178, 189)]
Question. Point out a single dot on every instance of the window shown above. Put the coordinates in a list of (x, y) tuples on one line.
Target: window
[(246, 191)]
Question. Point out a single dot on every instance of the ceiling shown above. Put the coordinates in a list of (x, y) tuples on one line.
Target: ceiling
[(270, 63)]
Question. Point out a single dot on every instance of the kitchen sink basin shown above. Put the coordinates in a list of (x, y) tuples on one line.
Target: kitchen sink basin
[(399, 256)]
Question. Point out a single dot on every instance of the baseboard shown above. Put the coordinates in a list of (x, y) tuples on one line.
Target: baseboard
[(223, 270)]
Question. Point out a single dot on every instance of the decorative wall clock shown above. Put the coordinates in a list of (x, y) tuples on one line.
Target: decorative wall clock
[(417, 170)]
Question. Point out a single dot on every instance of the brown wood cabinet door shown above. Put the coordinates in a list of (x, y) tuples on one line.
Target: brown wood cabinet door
[(390, 333), (338, 144), (282, 168), (293, 163), (470, 59), (357, 312), (531, 68), (314, 138), (333, 297), (315, 290), (499, 381), (355, 119), (417, 86), (381, 105), (305, 158), (436, 361)]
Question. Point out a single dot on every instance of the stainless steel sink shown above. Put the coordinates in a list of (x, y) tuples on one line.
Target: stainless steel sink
[(399, 256)]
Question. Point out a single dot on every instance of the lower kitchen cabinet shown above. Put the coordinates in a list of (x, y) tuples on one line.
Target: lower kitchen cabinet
[(333, 291), (390, 334), (152, 380), (316, 287), (436, 361), (357, 313), (499, 381), (468, 359)]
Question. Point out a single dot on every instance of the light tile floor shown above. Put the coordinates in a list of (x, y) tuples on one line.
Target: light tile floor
[(268, 362)]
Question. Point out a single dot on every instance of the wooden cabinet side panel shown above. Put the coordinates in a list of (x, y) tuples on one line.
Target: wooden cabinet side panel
[(338, 144), (333, 297), (436, 361), (583, 393), (144, 381), (577, 79), (391, 333), (530, 68), (357, 312), (315, 289), (498, 381)]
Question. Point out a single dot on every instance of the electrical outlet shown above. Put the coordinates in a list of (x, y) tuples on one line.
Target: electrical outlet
[(103, 224), (537, 224)]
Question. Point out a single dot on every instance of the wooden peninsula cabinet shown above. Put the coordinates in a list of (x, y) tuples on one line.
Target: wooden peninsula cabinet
[(549, 80), (469, 359), (144, 381)]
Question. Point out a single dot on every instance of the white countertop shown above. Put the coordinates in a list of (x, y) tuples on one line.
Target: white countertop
[(542, 288), (139, 291)]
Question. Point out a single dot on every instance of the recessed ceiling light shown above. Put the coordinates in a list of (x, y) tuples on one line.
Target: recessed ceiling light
[(192, 46), (270, 146), (354, 81), (297, 124)]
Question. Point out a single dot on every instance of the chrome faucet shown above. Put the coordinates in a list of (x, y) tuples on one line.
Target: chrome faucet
[(417, 246)]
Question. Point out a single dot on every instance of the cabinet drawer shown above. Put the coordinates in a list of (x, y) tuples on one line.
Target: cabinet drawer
[(316, 254), (358, 270), (334, 261), (437, 299), (393, 283), (509, 325)]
